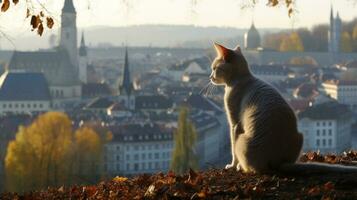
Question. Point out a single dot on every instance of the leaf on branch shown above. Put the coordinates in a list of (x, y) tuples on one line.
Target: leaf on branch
[(290, 12), (41, 14), (40, 29), (5, 5), (35, 21), (28, 14), (50, 22), (15, 1)]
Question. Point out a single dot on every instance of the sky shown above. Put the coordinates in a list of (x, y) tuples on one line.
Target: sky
[(204, 13)]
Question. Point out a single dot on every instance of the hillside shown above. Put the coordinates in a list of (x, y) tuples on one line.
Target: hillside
[(217, 184), (140, 35)]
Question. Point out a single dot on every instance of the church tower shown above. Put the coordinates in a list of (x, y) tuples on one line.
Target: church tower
[(126, 89), (334, 34), (68, 35), (83, 61)]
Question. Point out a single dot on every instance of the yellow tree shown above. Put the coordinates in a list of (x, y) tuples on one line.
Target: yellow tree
[(292, 43), (88, 156), (354, 38), (39, 154), (346, 42)]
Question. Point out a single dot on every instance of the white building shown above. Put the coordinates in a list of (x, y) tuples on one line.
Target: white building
[(345, 92), (138, 149), (23, 92), (326, 127)]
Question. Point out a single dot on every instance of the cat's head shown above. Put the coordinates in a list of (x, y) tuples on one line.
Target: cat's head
[(229, 66)]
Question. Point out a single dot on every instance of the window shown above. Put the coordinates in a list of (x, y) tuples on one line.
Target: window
[(330, 123), (40, 105), (34, 105), (118, 158), (330, 142), (150, 165), (127, 166), (317, 123), (318, 132), (128, 157), (136, 166), (323, 123), (143, 165), (324, 132), (16, 105), (136, 157), (157, 165), (323, 142), (156, 155), (330, 132), (318, 143), (150, 155), (143, 156), (4, 105)]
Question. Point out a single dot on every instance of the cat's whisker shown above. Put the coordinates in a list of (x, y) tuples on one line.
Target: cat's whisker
[(204, 88)]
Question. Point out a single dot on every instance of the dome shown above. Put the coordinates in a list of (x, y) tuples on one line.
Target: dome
[(252, 38)]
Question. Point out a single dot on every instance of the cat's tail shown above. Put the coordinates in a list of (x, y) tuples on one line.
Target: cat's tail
[(298, 168)]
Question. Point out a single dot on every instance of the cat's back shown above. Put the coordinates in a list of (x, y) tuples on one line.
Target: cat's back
[(263, 96)]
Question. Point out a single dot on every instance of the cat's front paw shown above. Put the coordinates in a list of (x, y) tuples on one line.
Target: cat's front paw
[(229, 166)]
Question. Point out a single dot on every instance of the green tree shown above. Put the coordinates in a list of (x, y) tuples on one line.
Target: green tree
[(184, 156), (346, 42)]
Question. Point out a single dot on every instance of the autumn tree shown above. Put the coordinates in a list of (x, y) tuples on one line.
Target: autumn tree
[(87, 156), (354, 38), (346, 42), (292, 43), (184, 155), (48, 153), (37, 157)]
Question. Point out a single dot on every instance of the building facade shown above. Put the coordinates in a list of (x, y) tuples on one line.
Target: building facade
[(345, 92), (326, 127)]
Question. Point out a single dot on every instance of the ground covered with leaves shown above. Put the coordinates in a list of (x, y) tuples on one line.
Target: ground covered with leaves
[(217, 184)]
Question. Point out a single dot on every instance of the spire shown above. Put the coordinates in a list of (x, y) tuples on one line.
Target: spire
[(83, 48), (126, 86), (68, 7)]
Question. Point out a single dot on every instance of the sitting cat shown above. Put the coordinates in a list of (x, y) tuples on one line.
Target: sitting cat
[(263, 127)]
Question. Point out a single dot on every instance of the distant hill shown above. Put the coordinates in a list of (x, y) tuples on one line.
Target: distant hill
[(142, 35)]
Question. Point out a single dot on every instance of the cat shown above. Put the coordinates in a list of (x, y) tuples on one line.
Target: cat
[(263, 127)]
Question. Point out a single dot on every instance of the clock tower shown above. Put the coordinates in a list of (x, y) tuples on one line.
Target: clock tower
[(68, 35)]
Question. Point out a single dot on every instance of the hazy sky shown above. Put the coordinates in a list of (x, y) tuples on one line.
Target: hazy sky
[(205, 13)]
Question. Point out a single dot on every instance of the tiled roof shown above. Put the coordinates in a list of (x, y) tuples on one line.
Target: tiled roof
[(153, 102), (95, 90), (24, 86), (140, 132), (99, 103), (342, 82), (200, 102), (329, 110)]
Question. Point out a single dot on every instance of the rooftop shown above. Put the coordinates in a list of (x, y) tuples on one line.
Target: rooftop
[(24, 86)]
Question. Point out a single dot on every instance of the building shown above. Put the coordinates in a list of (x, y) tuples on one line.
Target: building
[(60, 66), (24, 93), (138, 148), (271, 73), (326, 127), (334, 34), (252, 38), (126, 90), (345, 92)]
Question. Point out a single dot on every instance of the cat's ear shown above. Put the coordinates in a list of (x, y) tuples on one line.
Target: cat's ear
[(237, 49), (222, 52)]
